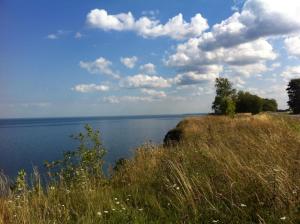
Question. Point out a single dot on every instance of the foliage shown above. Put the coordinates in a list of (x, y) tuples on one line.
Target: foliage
[(87, 160), (293, 91), (269, 105), (248, 103), (242, 170), (225, 95), (229, 107)]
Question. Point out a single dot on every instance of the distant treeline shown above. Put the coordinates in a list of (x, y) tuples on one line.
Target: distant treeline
[(230, 101)]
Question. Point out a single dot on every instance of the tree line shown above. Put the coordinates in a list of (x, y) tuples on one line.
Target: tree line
[(229, 101)]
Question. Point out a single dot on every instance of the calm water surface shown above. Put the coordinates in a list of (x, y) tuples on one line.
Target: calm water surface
[(25, 143)]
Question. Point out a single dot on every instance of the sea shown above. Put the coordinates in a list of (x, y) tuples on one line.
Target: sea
[(28, 143)]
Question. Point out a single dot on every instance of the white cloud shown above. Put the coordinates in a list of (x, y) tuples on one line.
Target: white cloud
[(258, 18), (100, 65), (154, 93), (129, 62), (58, 34), (176, 28), (192, 78), (292, 45), (148, 68), (130, 99), (87, 88), (52, 36), (78, 35), (189, 55), (291, 72), (144, 81)]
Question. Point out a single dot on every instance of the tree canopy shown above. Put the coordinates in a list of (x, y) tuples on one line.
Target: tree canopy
[(293, 91)]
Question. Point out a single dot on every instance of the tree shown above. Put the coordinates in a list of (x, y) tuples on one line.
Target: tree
[(293, 91), (248, 103), (270, 105), (225, 96)]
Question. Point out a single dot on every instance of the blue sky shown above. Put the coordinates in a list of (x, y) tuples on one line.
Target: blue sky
[(107, 57)]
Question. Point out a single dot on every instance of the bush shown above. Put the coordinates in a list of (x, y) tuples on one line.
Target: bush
[(270, 105), (248, 103)]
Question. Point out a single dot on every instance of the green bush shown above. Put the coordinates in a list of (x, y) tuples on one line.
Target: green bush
[(248, 103), (270, 105)]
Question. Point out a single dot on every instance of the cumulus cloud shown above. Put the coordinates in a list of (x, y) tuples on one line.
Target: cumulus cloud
[(99, 66), (129, 62), (192, 78), (87, 88), (244, 59), (176, 28), (291, 72), (144, 81), (148, 68), (292, 45), (258, 18)]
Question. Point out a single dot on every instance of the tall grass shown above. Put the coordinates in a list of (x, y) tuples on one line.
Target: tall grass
[(223, 170)]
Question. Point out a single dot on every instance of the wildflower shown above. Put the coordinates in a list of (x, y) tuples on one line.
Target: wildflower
[(52, 188), (215, 221), (243, 205), (140, 209), (116, 199), (123, 208), (113, 209), (283, 218), (127, 199), (99, 213), (105, 211), (177, 188), (294, 192), (117, 202)]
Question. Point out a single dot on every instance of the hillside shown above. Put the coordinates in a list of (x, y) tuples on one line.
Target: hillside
[(216, 170)]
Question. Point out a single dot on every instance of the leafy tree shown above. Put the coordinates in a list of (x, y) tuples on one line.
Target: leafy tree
[(293, 91), (270, 105), (248, 103), (225, 96), (229, 106)]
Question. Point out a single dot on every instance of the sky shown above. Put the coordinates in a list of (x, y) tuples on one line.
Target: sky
[(62, 58)]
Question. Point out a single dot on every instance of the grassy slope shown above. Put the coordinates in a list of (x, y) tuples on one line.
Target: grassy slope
[(242, 170)]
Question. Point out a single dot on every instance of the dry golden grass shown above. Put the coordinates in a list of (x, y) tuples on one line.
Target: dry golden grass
[(223, 170)]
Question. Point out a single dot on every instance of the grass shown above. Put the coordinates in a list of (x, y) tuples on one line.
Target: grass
[(223, 170)]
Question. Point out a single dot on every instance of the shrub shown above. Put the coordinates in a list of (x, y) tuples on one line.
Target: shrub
[(248, 103), (270, 105)]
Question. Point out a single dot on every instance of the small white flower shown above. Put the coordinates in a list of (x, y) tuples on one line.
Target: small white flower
[(140, 209), (116, 199), (243, 205), (105, 211), (117, 202), (177, 188), (113, 209), (127, 199), (99, 213), (283, 218), (215, 221), (123, 208)]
